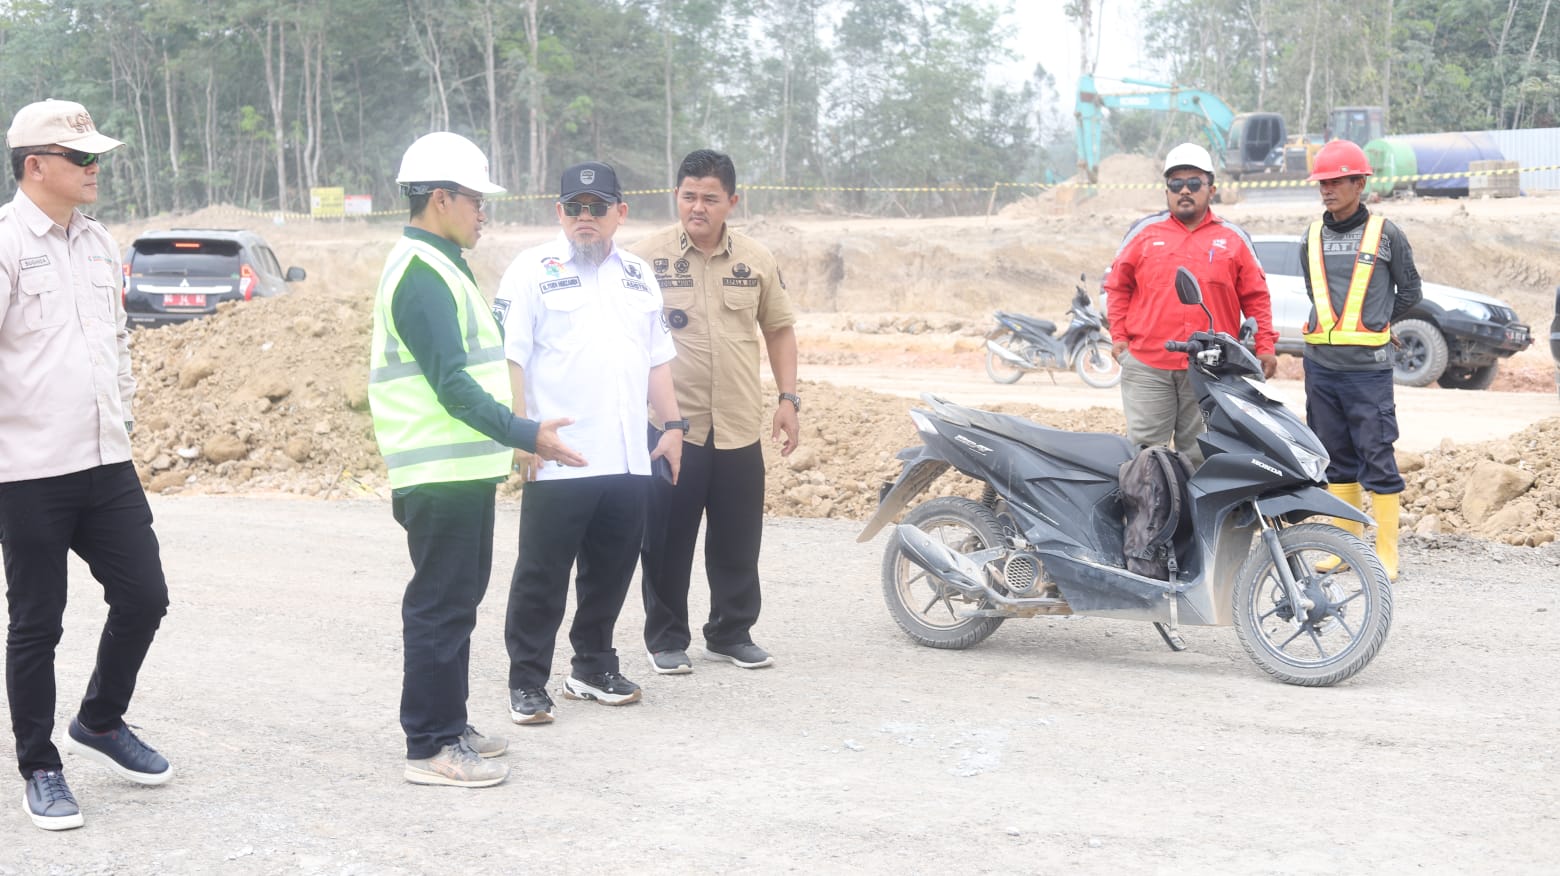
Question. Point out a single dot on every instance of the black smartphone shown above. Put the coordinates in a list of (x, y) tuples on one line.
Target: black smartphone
[(661, 468)]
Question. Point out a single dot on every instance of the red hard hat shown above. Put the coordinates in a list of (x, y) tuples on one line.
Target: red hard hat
[(1337, 159)]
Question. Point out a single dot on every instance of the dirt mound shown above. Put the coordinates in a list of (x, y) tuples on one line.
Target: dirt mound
[(1126, 182), (1507, 490)]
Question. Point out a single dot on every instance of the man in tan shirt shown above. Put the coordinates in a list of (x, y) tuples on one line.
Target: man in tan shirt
[(720, 290), (66, 479)]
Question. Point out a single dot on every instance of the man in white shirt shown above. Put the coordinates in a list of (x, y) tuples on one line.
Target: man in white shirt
[(585, 340)]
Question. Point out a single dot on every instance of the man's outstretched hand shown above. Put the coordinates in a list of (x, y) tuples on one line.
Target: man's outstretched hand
[(551, 448)]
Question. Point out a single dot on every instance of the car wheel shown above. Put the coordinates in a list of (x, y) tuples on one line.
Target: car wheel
[(1421, 358), (1455, 377)]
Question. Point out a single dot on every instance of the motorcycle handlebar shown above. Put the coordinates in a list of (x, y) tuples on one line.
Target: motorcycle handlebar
[(1178, 346)]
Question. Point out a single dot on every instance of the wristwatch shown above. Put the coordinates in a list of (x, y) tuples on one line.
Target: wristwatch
[(793, 398), (682, 424)]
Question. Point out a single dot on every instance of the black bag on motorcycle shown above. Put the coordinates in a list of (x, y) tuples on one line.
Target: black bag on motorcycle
[(1154, 496)]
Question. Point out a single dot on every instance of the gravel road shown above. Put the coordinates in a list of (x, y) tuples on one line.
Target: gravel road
[(1059, 744)]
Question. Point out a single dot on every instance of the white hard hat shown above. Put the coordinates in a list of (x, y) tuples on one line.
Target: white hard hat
[(446, 157), (1189, 155)]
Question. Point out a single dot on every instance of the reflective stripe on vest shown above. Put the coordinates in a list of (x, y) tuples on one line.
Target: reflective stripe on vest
[(421, 443), (1348, 331)]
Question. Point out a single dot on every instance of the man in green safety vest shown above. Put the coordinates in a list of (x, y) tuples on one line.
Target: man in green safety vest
[(437, 370), (1360, 274)]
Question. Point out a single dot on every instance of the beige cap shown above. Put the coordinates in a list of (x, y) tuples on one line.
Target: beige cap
[(58, 123)]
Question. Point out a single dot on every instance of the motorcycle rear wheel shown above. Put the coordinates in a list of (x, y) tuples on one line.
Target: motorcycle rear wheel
[(1097, 365), (1000, 369), (925, 608), (1337, 638)]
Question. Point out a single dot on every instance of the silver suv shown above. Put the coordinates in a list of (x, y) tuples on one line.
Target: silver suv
[(1454, 337), (182, 274)]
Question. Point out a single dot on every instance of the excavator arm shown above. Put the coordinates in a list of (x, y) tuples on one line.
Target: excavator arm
[(1215, 114)]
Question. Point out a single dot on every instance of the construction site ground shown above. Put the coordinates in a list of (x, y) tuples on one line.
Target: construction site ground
[(1058, 743)]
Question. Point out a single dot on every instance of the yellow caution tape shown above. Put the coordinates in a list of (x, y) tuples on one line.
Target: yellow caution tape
[(992, 189)]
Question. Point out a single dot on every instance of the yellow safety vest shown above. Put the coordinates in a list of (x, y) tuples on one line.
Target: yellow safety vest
[(421, 443), (1328, 328)]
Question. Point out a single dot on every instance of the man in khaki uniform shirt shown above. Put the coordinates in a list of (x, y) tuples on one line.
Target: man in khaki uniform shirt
[(720, 290), (66, 479)]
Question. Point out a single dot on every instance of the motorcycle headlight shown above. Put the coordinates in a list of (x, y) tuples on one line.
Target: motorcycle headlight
[(1312, 464)]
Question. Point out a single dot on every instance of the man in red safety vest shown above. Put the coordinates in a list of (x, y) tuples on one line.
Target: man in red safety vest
[(1359, 271)]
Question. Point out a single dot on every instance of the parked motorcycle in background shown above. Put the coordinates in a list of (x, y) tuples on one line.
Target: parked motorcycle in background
[(1021, 343)]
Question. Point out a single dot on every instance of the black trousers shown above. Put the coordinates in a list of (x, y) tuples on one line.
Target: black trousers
[(449, 533), (1354, 413), (724, 488), (101, 514), (597, 521)]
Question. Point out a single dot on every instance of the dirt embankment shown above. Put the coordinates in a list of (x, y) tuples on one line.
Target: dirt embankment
[(271, 395)]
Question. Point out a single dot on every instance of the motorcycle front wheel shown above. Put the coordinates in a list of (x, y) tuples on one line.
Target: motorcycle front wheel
[(1000, 369), (928, 610), (1097, 364), (1344, 626)]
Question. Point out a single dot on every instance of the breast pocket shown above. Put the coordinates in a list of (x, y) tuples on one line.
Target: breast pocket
[(565, 326), (105, 289), (739, 298), (43, 300)]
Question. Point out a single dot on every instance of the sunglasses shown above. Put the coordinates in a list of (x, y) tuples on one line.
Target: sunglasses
[(76, 157), (595, 208), (1193, 185)]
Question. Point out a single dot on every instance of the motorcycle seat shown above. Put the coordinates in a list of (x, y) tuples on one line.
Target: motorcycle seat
[(1100, 452), (1043, 326)]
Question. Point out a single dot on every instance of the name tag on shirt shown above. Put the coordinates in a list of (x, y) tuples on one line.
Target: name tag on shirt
[(555, 285), (635, 285), (675, 281), (739, 281)]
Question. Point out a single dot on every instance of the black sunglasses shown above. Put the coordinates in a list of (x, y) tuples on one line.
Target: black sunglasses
[(76, 157), (1193, 185), (596, 208)]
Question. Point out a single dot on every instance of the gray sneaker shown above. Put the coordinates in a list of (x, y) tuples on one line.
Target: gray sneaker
[(674, 662), (747, 656), (456, 765), (49, 802), (484, 746)]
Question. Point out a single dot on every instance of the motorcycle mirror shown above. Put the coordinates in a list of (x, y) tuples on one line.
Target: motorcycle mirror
[(1190, 292)]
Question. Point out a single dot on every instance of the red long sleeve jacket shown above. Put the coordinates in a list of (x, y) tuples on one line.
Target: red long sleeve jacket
[(1143, 308)]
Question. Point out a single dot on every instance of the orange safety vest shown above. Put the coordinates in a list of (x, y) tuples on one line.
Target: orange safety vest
[(1326, 327)]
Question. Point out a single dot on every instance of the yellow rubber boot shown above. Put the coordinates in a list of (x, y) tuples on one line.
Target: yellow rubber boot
[(1354, 494), (1385, 509)]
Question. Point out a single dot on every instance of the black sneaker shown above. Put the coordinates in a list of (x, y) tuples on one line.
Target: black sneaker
[(673, 662), (530, 705), (747, 656), (121, 751), (49, 802), (607, 688)]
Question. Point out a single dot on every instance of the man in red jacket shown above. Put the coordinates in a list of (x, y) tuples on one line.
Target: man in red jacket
[(1145, 312)]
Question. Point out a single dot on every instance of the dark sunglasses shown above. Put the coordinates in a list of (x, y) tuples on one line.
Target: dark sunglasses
[(78, 158), (596, 208), (1193, 185)]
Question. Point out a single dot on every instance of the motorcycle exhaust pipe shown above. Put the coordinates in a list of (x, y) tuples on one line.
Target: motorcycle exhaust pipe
[(954, 569), (1007, 354)]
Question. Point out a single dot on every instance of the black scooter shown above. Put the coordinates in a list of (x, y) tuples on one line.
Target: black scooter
[(1046, 537), (1020, 344)]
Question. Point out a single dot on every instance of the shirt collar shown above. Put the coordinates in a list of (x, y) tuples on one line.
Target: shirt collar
[(448, 247), (685, 243), (33, 217)]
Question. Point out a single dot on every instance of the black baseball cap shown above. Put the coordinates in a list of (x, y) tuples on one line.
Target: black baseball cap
[(592, 178)]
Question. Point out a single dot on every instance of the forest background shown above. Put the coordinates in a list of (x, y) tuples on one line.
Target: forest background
[(253, 103)]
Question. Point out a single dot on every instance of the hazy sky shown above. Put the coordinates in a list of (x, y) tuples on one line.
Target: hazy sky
[(1042, 34)]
